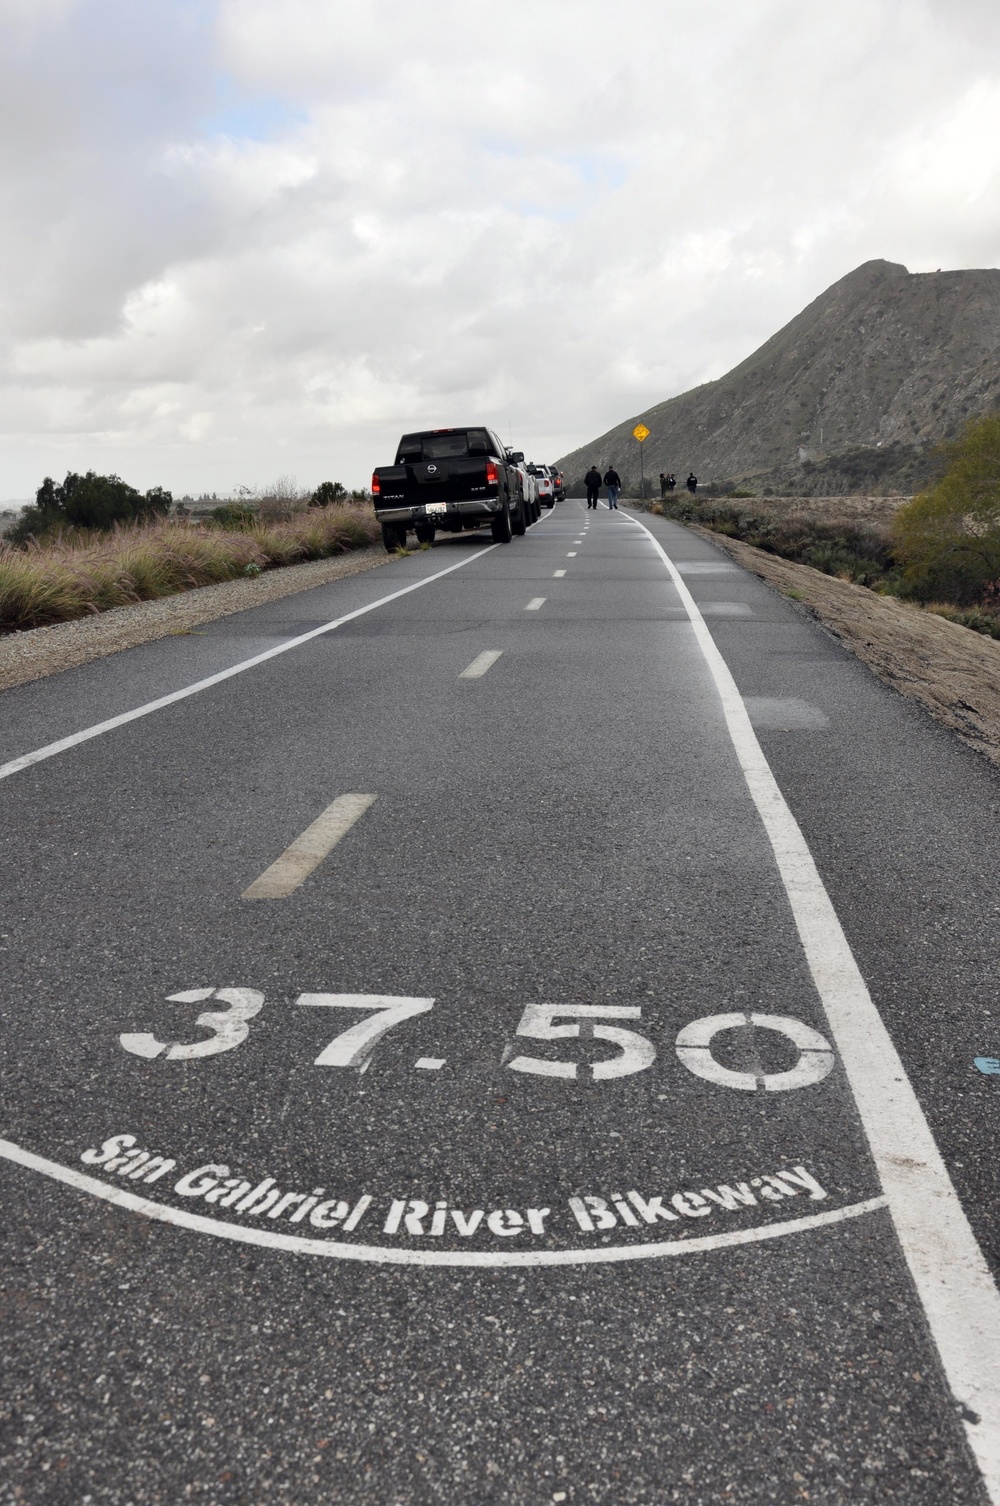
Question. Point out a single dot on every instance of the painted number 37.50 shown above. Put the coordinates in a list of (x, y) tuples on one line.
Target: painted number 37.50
[(354, 1047)]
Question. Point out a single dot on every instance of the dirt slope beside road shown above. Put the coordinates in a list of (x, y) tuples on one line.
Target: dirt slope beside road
[(953, 672)]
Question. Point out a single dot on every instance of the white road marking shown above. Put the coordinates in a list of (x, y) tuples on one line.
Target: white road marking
[(480, 664), (815, 1060), (953, 1281), (571, 555), (535, 603), (354, 1046), (382, 1255), (229, 1026), (99, 728), (558, 574), (430, 1063), (309, 848)]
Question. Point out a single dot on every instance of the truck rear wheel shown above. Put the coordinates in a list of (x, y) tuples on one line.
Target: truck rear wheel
[(393, 536), (501, 526)]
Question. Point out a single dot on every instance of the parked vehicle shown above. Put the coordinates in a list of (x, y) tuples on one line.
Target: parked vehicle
[(449, 479), (543, 480), (529, 492), (558, 484)]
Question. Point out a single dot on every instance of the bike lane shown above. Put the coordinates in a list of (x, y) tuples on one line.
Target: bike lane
[(553, 1029)]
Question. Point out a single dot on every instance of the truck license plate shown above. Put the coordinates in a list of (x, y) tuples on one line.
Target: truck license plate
[(437, 507)]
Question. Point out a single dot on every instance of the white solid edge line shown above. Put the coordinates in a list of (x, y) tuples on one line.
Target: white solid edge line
[(309, 849), (953, 1281), (302, 1245), (51, 749)]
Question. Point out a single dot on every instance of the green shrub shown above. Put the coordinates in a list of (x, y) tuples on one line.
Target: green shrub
[(972, 617), (948, 538), (327, 493), (233, 515)]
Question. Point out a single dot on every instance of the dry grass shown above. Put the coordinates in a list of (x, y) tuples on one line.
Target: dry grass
[(72, 576)]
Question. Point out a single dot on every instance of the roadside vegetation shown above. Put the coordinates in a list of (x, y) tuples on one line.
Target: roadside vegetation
[(105, 545), (941, 549)]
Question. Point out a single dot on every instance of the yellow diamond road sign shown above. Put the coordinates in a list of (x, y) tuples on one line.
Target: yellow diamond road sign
[(640, 432)]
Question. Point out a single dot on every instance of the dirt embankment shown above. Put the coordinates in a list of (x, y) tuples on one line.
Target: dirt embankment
[(953, 672)]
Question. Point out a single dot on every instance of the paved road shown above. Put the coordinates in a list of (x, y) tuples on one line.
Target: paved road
[(608, 1185)]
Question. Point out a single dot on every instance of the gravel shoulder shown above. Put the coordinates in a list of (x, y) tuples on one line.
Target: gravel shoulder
[(65, 645), (954, 673)]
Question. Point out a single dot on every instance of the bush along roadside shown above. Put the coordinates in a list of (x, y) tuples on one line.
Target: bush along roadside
[(78, 573)]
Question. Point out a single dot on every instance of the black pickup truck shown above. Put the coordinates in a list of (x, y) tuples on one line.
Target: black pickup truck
[(450, 479)]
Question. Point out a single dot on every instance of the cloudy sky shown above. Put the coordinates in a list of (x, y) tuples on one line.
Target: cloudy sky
[(251, 238)]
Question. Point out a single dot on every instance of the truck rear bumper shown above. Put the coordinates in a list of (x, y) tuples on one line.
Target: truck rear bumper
[(469, 511)]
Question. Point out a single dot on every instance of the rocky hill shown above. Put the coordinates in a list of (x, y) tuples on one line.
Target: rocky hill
[(852, 395)]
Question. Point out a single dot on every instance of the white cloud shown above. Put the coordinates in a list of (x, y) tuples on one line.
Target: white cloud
[(247, 236)]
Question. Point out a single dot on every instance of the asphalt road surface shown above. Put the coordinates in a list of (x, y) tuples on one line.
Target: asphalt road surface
[(516, 1045)]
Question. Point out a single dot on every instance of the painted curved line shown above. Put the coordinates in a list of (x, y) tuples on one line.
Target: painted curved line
[(299, 1244)]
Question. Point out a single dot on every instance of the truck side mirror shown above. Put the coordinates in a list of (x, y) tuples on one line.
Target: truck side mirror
[(515, 456)]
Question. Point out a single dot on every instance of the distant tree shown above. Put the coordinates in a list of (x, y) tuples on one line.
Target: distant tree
[(948, 538), (237, 515), (327, 492), (89, 501)]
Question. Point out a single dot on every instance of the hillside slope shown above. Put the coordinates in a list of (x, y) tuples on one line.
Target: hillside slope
[(850, 395)]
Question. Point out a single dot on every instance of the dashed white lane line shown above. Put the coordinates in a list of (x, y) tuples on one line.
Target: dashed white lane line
[(557, 574), (571, 555), (429, 1063), (480, 664), (309, 849), (64, 743), (535, 603), (953, 1280)]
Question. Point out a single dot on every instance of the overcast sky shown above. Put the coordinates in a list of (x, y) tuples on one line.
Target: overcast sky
[(247, 238)]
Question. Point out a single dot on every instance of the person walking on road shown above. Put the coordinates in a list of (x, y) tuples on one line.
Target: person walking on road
[(592, 481), (692, 483), (613, 482)]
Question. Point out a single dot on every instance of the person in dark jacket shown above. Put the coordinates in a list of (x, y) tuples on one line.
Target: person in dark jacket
[(671, 481), (692, 483), (613, 482), (663, 484), (592, 481)]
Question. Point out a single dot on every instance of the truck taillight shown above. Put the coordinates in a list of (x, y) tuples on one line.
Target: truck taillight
[(376, 488), (492, 477)]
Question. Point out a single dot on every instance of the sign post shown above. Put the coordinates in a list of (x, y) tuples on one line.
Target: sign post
[(640, 432)]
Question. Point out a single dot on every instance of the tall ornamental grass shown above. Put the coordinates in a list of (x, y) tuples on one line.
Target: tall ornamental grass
[(77, 573)]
